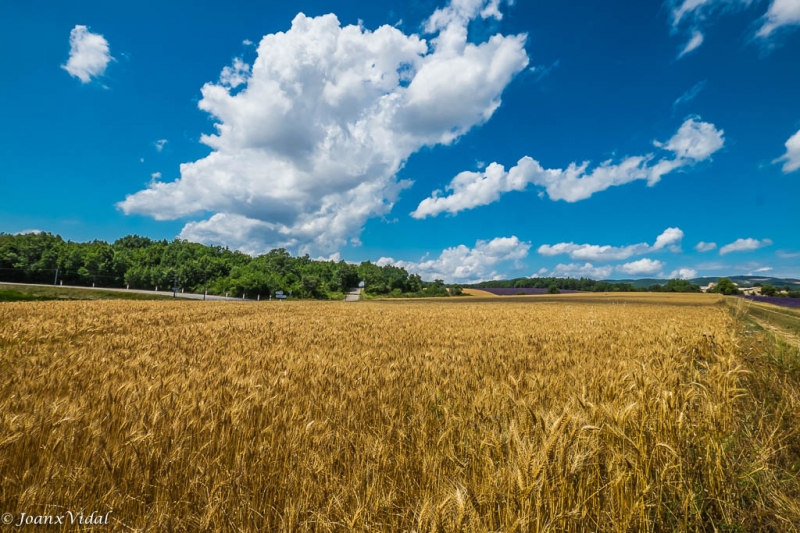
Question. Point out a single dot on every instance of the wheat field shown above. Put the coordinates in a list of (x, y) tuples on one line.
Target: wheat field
[(608, 414)]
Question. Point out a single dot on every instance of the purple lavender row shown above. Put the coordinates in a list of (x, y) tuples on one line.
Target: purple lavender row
[(793, 303)]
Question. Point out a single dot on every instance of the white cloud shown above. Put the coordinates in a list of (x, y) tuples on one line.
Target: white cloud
[(705, 246), (156, 175), (792, 155), (780, 13), (335, 257), (88, 54), (744, 245), (247, 42), (464, 264), (689, 95), (248, 234), (160, 144), (642, 266), (29, 231), (787, 254), (585, 270), (669, 238), (683, 273), (308, 148), (694, 141), (692, 44), (235, 75), (763, 269), (539, 273), (593, 252), (452, 19)]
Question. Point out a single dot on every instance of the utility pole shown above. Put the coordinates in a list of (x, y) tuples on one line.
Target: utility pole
[(55, 280), (205, 283)]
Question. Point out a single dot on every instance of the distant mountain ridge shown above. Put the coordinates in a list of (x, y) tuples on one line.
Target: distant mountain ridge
[(742, 281)]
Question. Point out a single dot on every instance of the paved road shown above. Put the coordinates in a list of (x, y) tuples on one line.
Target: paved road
[(353, 296), (186, 295)]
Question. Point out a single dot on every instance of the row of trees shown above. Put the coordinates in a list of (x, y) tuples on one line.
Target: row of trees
[(675, 285), (142, 263), (560, 284), (726, 286), (769, 290)]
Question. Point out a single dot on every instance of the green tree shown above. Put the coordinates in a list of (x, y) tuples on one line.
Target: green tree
[(725, 286), (768, 290), (679, 285), (437, 288)]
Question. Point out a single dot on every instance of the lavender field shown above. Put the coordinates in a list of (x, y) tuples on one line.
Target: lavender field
[(793, 303), (516, 291)]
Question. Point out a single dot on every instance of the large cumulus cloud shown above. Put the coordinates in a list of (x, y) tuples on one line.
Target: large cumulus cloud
[(310, 137)]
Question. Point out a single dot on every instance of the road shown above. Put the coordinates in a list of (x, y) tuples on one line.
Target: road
[(185, 295), (353, 296)]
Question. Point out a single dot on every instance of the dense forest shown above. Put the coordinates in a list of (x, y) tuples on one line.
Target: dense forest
[(143, 263)]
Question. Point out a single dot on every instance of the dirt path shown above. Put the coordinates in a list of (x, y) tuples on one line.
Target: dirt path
[(186, 295), (780, 333), (353, 296)]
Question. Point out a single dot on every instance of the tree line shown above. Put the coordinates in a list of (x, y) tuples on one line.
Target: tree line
[(726, 286), (143, 263), (585, 285)]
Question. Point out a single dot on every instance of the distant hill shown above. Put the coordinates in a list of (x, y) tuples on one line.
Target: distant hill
[(641, 283), (742, 281)]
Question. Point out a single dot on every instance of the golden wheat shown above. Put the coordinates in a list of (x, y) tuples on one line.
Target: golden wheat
[(629, 414)]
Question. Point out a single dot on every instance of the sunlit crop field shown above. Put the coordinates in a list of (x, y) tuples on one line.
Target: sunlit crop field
[(529, 414)]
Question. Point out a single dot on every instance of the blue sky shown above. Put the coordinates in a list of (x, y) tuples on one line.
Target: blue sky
[(465, 140)]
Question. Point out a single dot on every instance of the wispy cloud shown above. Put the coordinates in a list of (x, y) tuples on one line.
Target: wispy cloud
[(693, 43), (541, 71), (787, 254), (705, 246), (781, 13), (689, 95), (744, 245), (693, 15)]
